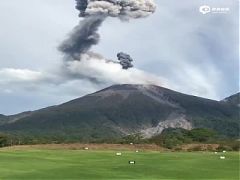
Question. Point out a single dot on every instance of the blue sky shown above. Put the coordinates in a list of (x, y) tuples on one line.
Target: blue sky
[(193, 53)]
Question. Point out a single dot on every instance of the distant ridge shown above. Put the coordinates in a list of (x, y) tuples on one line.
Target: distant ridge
[(233, 100)]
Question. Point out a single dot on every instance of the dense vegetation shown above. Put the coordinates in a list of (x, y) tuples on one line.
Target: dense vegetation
[(3, 140), (172, 138)]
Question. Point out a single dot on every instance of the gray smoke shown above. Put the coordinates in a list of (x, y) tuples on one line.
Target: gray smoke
[(125, 60), (94, 12), (83, 37), (124, 9), (82, 6)]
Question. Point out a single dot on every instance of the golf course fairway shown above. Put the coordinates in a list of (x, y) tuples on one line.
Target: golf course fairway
[(88, 164)]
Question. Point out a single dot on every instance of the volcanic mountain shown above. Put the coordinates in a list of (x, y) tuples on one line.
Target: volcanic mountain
[(120, 110)]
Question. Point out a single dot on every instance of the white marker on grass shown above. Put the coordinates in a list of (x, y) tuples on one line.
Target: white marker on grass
[(222, 157), (118, 154), (131, 162)]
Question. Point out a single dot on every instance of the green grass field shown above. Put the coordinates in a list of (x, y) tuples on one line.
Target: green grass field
[(77, 164)]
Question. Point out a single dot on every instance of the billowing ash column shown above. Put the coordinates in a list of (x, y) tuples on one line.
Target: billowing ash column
[(92, 14)]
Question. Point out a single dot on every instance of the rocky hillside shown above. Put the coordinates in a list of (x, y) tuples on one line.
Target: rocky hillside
[(125, 109)]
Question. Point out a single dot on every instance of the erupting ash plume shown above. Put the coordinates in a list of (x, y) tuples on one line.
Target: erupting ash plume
[(85, 35)]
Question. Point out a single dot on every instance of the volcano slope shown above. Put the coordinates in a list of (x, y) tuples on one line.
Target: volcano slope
[(120, 110)]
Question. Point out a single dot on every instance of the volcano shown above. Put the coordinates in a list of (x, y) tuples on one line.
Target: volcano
[(121, 110)]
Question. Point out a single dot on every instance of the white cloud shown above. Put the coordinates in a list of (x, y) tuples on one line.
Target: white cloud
[(109, 72), (19, 75)]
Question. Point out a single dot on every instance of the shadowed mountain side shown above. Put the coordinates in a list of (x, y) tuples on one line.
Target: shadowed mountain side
[(233, 100)]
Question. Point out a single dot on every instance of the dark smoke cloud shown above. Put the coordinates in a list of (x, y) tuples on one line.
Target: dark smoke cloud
[(82, 6), (83, 37), (125, 60)]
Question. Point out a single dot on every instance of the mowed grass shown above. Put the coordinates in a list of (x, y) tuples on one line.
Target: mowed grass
[(79, 164)]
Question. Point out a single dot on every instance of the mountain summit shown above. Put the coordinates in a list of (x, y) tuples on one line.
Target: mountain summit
[(120, 110)]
